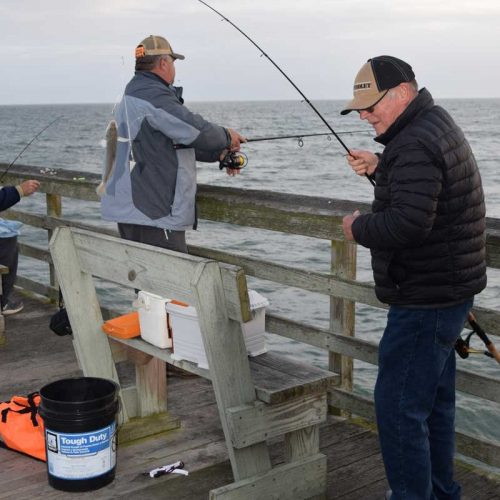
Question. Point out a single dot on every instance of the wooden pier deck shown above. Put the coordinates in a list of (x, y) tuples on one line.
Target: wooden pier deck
[(34, 356)]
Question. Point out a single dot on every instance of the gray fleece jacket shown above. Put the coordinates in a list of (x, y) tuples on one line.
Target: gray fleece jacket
[(153, 181)]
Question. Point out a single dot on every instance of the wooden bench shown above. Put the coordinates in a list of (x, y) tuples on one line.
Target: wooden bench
[(258, 398)]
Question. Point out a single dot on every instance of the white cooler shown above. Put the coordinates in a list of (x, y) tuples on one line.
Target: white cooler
[(153, 319), (186, 334)]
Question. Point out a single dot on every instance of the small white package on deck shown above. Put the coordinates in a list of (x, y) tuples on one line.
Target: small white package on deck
[(186, 334), (153, 319)]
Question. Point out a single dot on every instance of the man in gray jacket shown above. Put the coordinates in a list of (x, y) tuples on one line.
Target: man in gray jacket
[(151, 190)]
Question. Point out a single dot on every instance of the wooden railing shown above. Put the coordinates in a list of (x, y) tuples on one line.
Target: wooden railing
[(287, 214)]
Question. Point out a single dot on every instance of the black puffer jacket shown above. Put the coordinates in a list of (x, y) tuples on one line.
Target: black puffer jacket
[(426, 231)]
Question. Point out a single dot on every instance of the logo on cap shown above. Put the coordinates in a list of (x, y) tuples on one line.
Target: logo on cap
[(362, 85)]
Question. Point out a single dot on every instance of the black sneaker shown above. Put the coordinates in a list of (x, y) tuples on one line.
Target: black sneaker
[(12, 308)]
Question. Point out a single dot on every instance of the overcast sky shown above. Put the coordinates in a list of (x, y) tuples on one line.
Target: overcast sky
[(62, 51)]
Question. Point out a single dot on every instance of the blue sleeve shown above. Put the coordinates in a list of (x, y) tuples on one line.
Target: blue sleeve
[(9, 196)]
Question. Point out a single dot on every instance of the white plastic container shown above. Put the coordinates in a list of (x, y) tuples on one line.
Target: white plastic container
[(186, 334), (153, 319)]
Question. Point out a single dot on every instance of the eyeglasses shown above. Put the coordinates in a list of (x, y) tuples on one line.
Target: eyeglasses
[(371, 109)]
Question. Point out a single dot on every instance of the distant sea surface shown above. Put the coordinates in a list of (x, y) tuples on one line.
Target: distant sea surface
[(318, 168)]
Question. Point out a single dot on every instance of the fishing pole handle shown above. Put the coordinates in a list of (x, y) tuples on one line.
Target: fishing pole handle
[(477, 328), (494, 352), (482, 335)]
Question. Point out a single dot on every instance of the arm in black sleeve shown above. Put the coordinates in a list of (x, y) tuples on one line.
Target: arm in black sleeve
[(9, 195), (415, 182)]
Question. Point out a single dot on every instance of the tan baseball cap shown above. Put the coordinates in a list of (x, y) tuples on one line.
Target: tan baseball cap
[(374, 80), (155, 46)]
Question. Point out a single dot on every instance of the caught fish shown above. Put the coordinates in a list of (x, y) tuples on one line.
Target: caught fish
[(111, 139)]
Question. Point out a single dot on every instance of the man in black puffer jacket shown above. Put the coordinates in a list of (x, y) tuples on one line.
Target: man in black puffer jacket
[(426, 234)]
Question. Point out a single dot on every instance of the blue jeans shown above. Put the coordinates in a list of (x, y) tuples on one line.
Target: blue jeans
[(415, 401)]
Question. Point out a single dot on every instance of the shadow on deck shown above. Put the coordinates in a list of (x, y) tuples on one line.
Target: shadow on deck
[(34, 356)]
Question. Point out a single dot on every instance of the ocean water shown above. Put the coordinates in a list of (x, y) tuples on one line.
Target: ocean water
[(318, 168)]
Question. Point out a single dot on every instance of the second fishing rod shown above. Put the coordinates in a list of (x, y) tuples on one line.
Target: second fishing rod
[(287, 78)]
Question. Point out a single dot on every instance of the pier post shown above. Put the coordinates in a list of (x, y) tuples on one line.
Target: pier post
[(342, 312), (54, 209)]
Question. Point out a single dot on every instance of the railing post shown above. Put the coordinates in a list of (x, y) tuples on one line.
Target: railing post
[(54, 209), (342, 312)]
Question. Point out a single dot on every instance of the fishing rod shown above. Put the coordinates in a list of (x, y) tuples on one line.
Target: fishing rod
[(237, 160), (26, 147), (301, 136), (462, 346), (289, 80)]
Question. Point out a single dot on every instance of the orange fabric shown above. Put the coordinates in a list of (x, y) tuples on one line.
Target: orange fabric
[(21, 427)]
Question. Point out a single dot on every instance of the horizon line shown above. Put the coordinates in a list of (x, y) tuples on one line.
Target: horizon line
[(219, 101)]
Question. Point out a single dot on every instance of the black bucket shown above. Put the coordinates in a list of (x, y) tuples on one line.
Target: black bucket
[(80, 417)]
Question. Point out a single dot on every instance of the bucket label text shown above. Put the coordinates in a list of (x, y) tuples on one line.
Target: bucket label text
[(83, 455)]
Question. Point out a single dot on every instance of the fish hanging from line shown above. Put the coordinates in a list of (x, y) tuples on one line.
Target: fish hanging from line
[(111, 143)]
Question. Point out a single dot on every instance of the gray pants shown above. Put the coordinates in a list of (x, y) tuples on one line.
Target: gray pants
[(163, 238)]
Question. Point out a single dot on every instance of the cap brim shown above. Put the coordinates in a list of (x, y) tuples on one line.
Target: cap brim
[(363, 101), (177, 56)]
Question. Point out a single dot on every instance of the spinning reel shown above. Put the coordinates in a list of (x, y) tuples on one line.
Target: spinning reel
[(235, 160)]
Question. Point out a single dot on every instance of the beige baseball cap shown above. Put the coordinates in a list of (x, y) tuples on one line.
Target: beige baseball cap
[(374, 80), (155, 45)]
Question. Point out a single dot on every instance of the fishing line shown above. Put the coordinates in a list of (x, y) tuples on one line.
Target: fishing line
[(132, 159), (288, 79), (26, 147), (301, 136)]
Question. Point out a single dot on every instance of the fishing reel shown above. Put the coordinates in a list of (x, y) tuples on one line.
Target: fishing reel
[(234, 160), (463, 348), (462, 345)]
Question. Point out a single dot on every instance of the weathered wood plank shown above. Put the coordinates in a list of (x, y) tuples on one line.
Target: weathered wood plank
[(253, 423), (342, 312), (229, 367), (298, 480), (313, 281), (472, 446), (281, 379), (268, 378), (151, 383), (301, 443), (91, 345), (124, 262), (485, 451)]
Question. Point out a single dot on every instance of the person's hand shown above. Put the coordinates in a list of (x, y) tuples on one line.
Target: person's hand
[(29, 187), (362, 162), (347, 225), (233, 171), (236, 139)]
